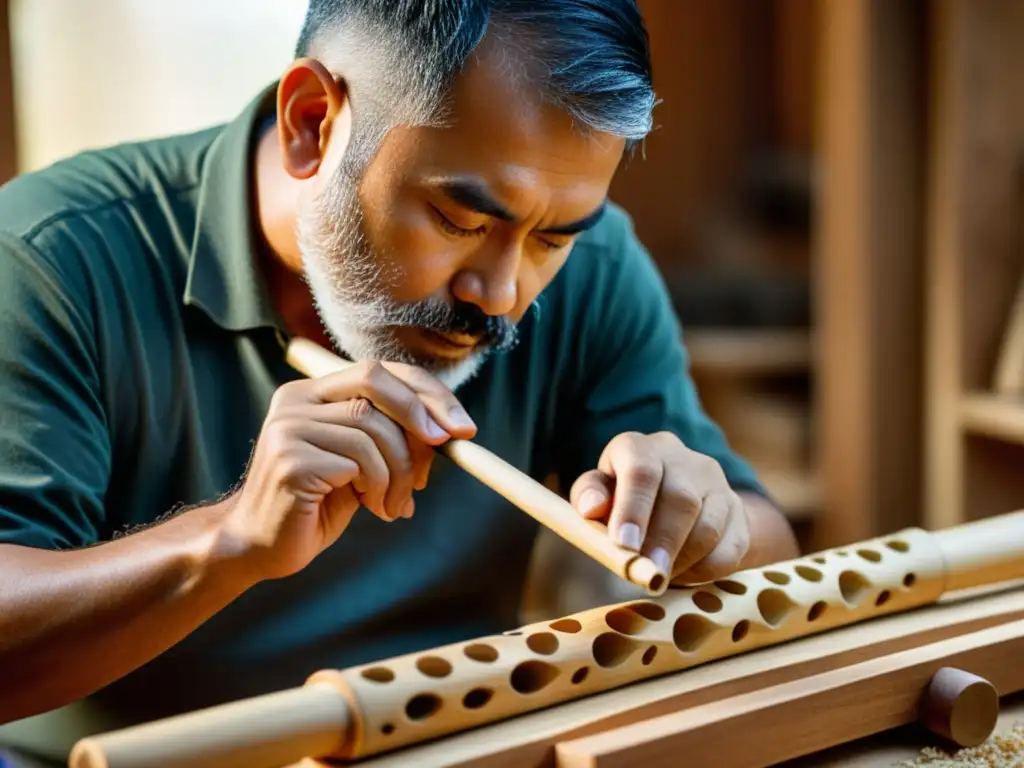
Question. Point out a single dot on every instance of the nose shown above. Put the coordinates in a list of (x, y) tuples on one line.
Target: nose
[(490, 278)]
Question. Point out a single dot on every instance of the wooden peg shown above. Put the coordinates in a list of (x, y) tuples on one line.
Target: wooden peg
[(960, 706)]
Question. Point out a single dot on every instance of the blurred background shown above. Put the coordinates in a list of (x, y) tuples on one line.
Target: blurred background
[(834, 194)]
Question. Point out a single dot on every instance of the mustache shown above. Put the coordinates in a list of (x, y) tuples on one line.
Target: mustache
[(496, 332)]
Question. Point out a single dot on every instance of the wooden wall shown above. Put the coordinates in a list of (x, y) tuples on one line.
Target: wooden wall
[(8, 149)]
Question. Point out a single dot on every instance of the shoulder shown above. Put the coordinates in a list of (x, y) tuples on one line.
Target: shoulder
[(81, 187)]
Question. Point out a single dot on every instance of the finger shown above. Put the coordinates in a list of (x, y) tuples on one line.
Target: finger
[(313, 474), (422, 460), (727, 557), (708, 521), (439, 400), (390, 440), (387, 392), (676, 512), (637, 473), (372, 480), (591, 494), (338, 509)]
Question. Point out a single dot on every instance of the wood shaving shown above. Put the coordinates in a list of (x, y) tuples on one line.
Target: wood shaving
[(1004, 750)]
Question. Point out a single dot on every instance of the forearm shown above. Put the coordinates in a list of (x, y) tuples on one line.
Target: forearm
[(771, 536), (72, 622)]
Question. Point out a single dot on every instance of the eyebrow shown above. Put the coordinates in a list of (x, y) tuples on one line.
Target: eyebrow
[(475, 196)]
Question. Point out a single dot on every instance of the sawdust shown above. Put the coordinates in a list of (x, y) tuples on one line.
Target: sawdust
[(1002, 750)]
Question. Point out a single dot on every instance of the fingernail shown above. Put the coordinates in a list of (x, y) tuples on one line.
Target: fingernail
[(460, 418), (408, 508), (590, 500), (661, 559), (629, 536), (434, 430)]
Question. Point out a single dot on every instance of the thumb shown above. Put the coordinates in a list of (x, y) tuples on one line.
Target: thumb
[(591, 494)]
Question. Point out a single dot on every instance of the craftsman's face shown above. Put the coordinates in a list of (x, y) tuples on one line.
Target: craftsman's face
[(440, 248)]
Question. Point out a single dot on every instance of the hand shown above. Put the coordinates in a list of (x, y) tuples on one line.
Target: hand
[(670, 503), (362, 436)]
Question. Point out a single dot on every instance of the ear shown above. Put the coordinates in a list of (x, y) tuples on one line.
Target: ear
[(309, 98)]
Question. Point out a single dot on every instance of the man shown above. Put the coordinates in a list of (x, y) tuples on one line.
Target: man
[(184, 520)]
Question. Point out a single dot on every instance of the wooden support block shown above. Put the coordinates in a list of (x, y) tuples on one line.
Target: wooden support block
[(804, 715), (960, 707)]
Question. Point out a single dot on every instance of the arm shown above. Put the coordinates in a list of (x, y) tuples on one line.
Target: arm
[(639, 436), (72, 622), (74, 614), (77, 614)]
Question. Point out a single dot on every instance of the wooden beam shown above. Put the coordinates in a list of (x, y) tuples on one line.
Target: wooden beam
[(8, 144), (804, 715), (868, 268)]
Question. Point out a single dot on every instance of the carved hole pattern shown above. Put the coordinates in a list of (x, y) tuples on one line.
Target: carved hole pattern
[(816, 610), (566, 625), (732, 587), (580, 675), (853, 585), (477, 698), (387, 729), (819, 560), (650, 611), (625, 621), (422, 706), (611, 649), (777, 577), (378, 674), (909, 579), (690, 631), (434, 666), (773, 604), (883, 597), (482, 653), (707, 602), (542, 642), (898, 546), (532, 676), (649, 655), (870, 555), (807, 573), (740, 630)]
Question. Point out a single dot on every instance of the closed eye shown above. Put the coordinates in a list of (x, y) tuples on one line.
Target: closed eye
[(454, 229)]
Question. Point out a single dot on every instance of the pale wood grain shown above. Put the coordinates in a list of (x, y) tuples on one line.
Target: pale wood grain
[(804, 715)]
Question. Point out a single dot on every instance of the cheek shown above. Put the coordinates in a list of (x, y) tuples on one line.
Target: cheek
[(410, 243), (534, 277)]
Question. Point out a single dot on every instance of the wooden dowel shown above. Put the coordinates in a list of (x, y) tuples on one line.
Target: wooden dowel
[(983, 551), (544, 505), (263, 732)]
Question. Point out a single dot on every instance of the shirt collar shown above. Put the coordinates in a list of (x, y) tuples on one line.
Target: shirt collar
[(224, 279)]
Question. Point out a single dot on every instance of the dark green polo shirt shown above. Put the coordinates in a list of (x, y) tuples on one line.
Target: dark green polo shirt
[(138, 354)]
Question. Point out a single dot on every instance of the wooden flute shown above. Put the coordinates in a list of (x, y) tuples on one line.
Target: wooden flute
[(541, 503), (375, 708)]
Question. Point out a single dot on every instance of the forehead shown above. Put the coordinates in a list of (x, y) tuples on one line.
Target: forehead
[(500, 128)]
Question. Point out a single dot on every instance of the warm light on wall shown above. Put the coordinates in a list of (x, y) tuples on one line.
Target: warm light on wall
[(90, 74)]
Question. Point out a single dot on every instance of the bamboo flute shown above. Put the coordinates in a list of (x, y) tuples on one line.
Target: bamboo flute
[(371, 709)]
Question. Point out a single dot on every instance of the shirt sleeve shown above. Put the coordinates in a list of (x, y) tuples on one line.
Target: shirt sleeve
[(54, 447), (632, 369)]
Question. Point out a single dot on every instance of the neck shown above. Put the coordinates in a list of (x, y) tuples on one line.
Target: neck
[(277, 198)]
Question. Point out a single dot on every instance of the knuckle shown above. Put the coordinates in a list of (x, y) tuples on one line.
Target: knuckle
[(681, 497), (668, 439), (643, 474), (359, 410), (370, 372)]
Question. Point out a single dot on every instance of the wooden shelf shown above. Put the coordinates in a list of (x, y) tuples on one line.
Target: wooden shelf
[(744, 352), (993, 416)]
